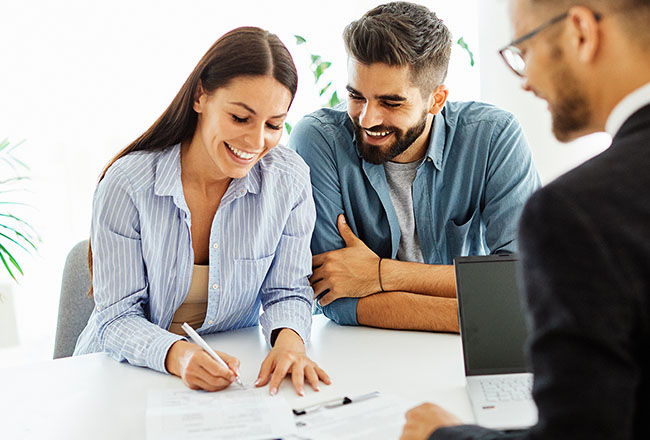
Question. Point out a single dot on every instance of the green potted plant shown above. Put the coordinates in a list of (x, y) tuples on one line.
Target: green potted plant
[(15, 233)]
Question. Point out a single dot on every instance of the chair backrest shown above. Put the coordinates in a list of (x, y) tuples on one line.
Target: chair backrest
[(75, 306)]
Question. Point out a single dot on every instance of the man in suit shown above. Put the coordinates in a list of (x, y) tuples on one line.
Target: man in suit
[(585, 238)]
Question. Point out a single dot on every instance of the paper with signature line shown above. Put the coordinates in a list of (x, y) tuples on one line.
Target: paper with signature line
[(229, 414)]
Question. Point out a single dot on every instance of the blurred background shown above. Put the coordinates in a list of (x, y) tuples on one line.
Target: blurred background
[(80, 80)]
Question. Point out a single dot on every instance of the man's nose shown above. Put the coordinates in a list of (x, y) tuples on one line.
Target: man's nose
[(370, 115)]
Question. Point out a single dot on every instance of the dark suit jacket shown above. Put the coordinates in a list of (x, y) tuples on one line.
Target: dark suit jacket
[(585, 251)]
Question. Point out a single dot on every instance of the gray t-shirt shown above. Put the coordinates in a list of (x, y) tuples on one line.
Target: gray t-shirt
[(400, 177)]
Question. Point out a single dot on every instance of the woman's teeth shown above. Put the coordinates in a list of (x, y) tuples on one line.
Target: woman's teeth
[(241, 154)]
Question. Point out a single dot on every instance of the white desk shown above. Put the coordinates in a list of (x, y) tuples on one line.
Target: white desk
[(95, 397)]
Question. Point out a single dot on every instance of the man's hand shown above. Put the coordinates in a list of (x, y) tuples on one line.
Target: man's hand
[(423, 420), (347, 272)]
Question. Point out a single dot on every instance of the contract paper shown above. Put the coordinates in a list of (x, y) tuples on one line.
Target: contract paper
[(230, 414), (379, 418)]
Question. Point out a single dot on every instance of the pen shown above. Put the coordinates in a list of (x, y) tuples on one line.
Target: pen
[(198, 340), (339, 401)]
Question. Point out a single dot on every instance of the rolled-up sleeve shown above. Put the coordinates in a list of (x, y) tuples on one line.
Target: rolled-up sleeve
[(119, 279), (313, 145)]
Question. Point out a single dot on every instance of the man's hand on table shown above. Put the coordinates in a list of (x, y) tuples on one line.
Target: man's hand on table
[(423, 420)]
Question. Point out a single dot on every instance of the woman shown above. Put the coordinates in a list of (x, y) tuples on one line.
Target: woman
[(201, 219)]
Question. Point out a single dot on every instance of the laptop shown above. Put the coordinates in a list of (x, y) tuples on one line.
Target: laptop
[(493, 334)]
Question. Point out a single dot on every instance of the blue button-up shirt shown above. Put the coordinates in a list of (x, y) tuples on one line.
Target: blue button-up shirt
[(467, 194), (143, 258)]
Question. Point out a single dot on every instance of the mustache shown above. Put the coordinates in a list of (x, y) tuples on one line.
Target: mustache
[(373, 128)]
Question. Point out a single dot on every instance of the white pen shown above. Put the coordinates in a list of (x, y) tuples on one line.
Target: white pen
[(198, 340)]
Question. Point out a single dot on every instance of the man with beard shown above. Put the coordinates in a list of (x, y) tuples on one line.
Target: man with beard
[(585, 238), (419, 180)]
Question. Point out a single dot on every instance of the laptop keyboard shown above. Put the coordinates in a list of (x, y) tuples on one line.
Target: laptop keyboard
[(507, 389)]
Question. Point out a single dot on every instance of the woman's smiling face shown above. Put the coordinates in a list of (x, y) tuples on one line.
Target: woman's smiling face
[(239, 123)]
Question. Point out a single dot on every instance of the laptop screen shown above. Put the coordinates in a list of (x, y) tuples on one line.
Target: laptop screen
[(492, 323)]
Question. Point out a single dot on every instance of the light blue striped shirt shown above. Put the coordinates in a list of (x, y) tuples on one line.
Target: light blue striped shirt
[(143, 258)]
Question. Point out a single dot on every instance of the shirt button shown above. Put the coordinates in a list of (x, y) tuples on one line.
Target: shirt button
[(210, 322), (215, 286), (215, 245), (428, 159), (99, 309)]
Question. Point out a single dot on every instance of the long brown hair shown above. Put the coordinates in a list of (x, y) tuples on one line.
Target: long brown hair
[(244, 51)]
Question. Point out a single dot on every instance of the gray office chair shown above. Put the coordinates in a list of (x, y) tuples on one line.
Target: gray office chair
[(75, 305)]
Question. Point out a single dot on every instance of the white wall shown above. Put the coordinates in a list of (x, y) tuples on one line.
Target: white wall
[(80, 80)]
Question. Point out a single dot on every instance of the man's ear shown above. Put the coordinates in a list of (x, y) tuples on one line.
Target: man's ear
[(437, 99), (584, 33), (197, 102)]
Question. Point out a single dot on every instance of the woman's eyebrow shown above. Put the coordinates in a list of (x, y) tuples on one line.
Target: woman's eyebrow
[(241, 104)]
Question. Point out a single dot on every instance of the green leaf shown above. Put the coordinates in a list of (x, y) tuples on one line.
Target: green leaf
[(315, 59), (461, 42), (6, 265), (13, 179), (13, 203), (334, 100), (287, 127), (320, 69), (14, 241), (19, 220), (324, 89), (11, 260), (300, 40), (24, 237)]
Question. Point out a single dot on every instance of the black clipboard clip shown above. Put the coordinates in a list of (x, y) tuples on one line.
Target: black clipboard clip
[(334, 403)]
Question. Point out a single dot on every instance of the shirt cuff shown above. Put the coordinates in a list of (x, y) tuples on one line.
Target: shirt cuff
[(159, 349), (276, 316), (343, 311)]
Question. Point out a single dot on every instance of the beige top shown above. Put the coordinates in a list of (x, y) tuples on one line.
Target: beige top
[(195, 306)]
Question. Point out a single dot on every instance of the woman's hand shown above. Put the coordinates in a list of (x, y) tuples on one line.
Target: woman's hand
[(198, 369), (288, 356)]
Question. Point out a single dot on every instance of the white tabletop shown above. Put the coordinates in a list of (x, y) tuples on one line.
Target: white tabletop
[(95, 397)]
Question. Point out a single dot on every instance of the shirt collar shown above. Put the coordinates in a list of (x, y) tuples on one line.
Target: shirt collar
[(251, 182), (437, 140), (626, 108), (168, 178), (167, 181)]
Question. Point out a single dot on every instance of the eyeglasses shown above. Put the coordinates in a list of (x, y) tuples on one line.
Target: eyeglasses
[(511, 53), (513, 56)]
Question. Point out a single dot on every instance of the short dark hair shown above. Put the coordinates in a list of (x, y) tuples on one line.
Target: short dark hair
[(635, 13), (402, 34)]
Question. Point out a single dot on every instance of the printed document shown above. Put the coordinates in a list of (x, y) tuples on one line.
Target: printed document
[(378, 418), (229, 414)]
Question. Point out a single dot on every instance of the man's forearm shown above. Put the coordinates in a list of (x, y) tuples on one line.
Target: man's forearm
[(408, 311), (426, 279)]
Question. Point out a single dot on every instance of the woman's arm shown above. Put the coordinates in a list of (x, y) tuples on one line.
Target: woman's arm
[(120, 284), (287, 298)]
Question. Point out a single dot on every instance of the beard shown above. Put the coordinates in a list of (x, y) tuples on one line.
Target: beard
[(570, 112), (378, 155)]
